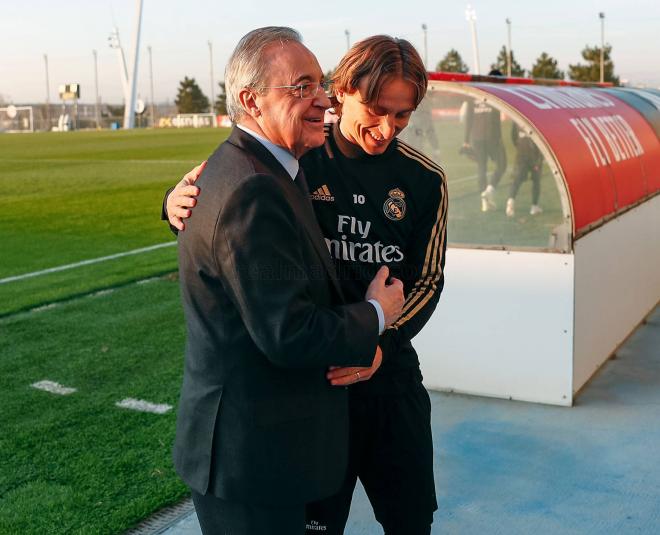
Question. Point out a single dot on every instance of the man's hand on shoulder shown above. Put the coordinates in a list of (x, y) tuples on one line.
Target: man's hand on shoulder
[(183, 197)]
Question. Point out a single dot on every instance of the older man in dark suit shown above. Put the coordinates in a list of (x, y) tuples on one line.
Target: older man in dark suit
[(260, 430)]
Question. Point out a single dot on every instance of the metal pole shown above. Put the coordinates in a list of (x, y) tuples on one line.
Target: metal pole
[(151, 84), (508, 50), (471, 16), (129, 110), (47, 95), (602, 46), (348, 39), (96, 90), (115, 43), (212, 82), (426, 57)]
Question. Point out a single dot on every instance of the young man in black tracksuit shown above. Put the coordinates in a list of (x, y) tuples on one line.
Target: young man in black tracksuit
[(379, 202), (385, 209)]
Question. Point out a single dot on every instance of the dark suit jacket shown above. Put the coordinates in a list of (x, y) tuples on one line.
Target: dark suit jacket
[(258, 421)]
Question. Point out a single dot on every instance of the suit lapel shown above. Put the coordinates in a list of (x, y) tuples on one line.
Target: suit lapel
[(311, 226), (301, 204)]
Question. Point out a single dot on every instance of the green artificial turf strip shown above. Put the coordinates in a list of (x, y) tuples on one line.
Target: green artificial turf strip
[(70, 197), (138, 144), (469, 225), (76, 196), (32, 292), (77, 463)]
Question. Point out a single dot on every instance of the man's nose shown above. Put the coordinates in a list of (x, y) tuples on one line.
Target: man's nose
[(387, 127), (321, 99)]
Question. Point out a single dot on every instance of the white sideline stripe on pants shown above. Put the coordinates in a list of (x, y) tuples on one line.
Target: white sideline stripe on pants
[(53, 387), (86, 262), (143, 406)]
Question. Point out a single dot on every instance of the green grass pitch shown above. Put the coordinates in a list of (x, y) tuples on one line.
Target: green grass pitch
[(78, 463), (83, 195)]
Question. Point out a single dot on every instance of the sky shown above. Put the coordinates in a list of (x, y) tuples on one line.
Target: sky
[(178, 33)]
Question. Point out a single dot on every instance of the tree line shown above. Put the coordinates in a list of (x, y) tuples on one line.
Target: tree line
[(545, 65), (191, 99)]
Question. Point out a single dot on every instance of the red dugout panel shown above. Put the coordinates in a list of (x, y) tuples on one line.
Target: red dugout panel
[(608, 153)]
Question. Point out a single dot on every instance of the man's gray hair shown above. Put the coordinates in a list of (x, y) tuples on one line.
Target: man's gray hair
[(247, 66)]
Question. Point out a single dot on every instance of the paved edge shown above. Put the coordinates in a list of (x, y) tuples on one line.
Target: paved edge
[(163, 519)]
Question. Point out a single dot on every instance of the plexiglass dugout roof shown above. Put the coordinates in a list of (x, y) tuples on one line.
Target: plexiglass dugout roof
[(581, 155)]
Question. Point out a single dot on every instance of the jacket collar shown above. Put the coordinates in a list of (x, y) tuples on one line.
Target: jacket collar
[(282, 155), (251, 145)]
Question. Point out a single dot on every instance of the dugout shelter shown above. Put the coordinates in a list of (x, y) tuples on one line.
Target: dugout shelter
[(535, 303)]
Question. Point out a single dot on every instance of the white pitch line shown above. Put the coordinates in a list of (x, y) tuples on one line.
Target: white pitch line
[(146, 281), (101, 293), (44, 307), (49, 306), (86, 262), (53, 387), (143, 406)]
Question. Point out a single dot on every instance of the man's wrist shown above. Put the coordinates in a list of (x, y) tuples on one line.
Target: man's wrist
[(381, 315)]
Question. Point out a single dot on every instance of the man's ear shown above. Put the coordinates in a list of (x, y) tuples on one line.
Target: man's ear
[(248, 99), (339, 95)]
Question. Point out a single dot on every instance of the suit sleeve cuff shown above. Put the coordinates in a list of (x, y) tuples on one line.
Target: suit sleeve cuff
[(381, 315)]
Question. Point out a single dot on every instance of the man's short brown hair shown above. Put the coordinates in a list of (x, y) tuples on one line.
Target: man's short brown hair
[(379, 59)]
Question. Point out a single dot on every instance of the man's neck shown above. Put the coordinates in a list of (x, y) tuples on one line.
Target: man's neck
[(252, 125), (248, 122), (283, 156), (346, 147)]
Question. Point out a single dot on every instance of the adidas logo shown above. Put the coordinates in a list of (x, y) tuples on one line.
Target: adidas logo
[(322, 194)]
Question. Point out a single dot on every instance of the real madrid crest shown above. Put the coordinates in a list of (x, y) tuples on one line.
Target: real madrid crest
[(395, 205)]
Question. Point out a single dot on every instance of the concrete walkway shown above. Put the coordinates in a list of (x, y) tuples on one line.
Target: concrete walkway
[(505, 467)]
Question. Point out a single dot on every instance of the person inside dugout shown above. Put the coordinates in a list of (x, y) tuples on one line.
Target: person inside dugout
[(528, 163), (483, 142)]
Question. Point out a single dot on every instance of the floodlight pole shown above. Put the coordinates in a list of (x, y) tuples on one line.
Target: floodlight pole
[(212, 82), (426, 57), (471, 17), (96, 90), (601, 15), (47, 94), (508, 49), (348, 39), (129, 110), (151, 85), (123, 71)]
